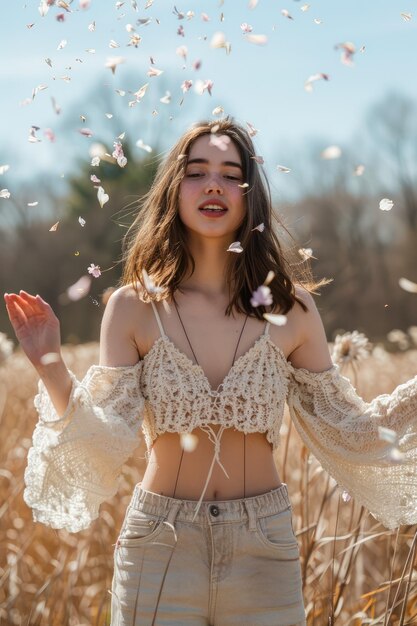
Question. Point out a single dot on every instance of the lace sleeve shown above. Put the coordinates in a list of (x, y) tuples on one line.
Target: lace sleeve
[(76, 459), (346, 434)]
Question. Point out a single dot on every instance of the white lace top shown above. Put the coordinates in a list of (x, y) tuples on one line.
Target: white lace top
[(76, 460)]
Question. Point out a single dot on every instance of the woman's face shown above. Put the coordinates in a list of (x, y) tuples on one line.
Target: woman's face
[(211, 203)]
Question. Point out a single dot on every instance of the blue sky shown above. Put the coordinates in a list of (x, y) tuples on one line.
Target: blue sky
[(260, 84)]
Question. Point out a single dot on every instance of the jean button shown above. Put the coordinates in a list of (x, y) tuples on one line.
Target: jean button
[(214, 510)]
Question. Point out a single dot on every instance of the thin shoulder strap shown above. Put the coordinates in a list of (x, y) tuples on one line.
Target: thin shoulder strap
[(158, 319), (266, 328)]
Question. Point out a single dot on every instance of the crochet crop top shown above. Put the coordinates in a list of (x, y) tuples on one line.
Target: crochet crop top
[(76, 460)]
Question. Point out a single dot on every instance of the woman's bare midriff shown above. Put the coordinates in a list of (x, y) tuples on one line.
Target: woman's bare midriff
[(250, 466)]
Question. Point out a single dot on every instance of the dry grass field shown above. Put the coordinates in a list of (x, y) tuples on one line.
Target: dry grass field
[(355, 571)]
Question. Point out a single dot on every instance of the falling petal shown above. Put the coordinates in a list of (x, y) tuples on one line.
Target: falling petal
[(4, 168), (86, 132), (262, 296), (260, 227), (141, 92), (396, 456), (387, 434), (109, 115), (186, 85), (258, 159), (318, 20), (154, 72), (406, 16), (282, 168), (331, 152), (202, 85), (219, 141), (166, 99), (81, 221), (79, 289), (92, 27), (286, 13), (113, 44), (217, 111), (270, 277), (50, 357), (94, 270), (33, 203), (253, 4), (306, 253), (182, 51), (189, 442), (346, 497), (62, 44), (235, 247), (49, 134), (386, 204), (49, 62), (143, 146), (359, 170), (305, 7), (404, 283), (113, 62), (246, 28), (102, 196), (4, 193), (258, 40), (276, 319), (95, 180), (252, 131), (95, 161), (54, 227), (308, 85), (149, 283), (244, 185)]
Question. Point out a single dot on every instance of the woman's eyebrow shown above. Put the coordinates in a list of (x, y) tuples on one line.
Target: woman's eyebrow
[(205, 162)]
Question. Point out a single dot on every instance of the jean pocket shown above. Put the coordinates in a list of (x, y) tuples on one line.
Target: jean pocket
[(139, 527), (276, 532)]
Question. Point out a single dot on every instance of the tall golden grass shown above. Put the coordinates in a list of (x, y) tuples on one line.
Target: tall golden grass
[(354, 570)]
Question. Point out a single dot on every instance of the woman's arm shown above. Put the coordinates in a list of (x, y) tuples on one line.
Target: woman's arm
[(312, 352), (348, 436)]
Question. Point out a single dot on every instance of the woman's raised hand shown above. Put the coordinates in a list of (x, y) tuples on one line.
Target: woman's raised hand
[(35, 325)]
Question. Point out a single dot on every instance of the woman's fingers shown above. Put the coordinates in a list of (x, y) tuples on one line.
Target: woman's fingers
[(25, 304), (16, 315)]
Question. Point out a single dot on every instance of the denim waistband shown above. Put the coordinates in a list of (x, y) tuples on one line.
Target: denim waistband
[(268, 503)]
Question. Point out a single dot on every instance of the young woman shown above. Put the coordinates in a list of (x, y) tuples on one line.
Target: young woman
[(187, 356)]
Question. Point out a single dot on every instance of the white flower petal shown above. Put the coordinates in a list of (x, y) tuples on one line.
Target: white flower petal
[(235, 247), (386, 204), (277, 320), (331, 152), (407, 285), (102, 196)]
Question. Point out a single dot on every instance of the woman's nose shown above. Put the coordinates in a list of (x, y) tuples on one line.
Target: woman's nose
[(214, 185)]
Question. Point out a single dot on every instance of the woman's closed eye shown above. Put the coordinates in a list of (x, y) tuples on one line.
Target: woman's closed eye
[(200, 174)]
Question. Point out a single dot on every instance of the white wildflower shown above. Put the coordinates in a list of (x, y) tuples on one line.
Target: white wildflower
[(350, 347)]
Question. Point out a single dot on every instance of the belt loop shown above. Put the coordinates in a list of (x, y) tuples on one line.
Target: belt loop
[(172, 514), (251, 514)]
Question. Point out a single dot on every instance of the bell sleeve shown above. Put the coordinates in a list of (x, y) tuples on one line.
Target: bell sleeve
[(75, 460), (348, 436)]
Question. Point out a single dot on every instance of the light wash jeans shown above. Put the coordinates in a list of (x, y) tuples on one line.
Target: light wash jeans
[(237, 564)]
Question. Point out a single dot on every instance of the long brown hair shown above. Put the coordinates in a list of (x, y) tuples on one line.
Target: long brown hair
[(157, 239)]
